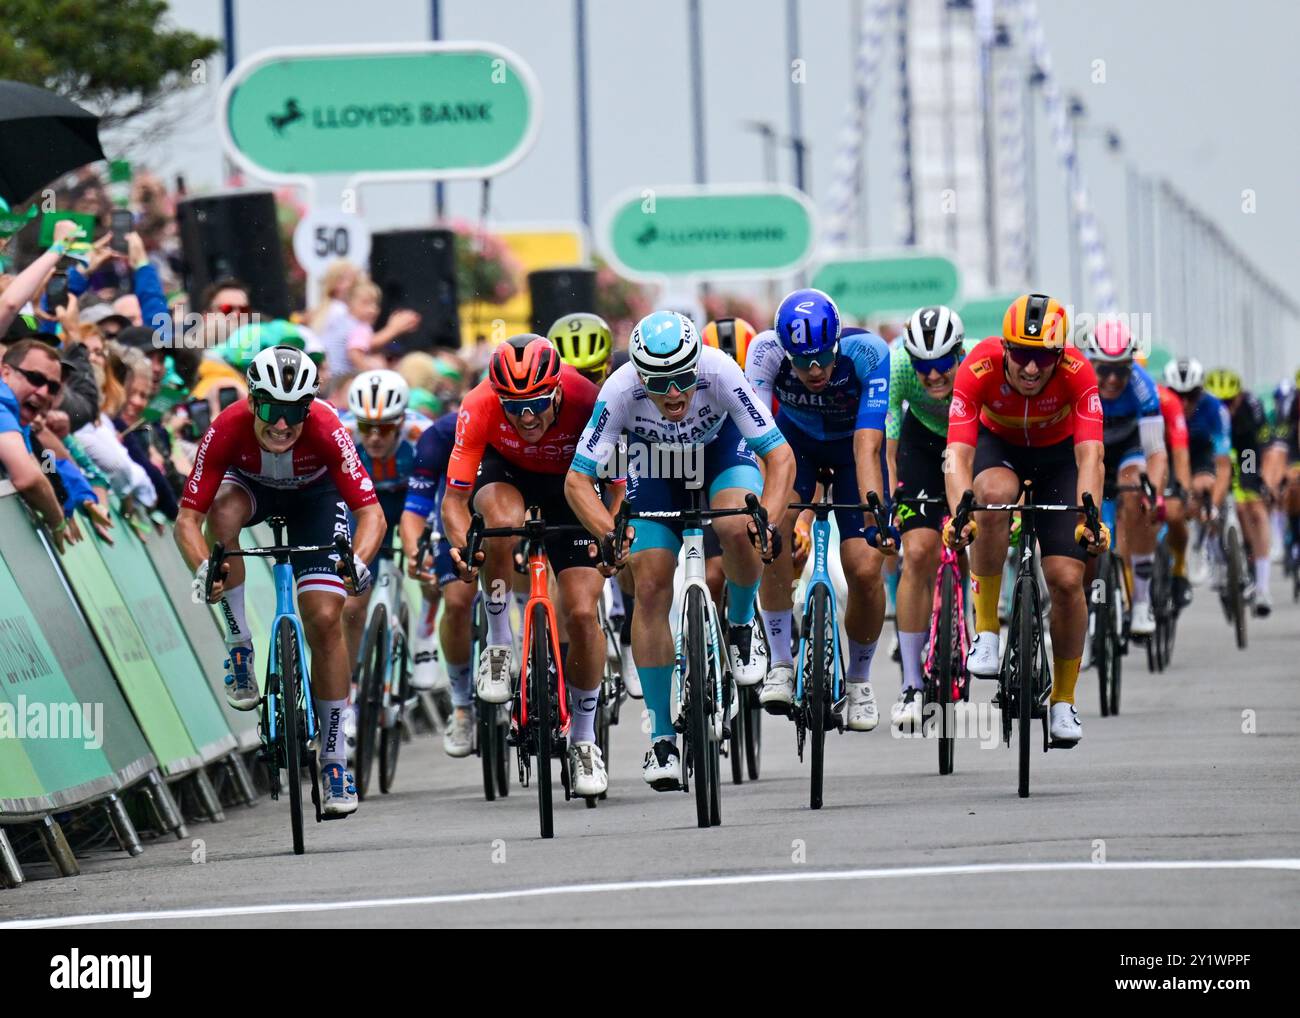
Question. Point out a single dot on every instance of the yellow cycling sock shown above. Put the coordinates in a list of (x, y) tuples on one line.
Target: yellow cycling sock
[(1065, 674), (1180, 561), (987, 590)]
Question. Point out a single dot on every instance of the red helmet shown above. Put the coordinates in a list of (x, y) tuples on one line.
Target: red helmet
[(524, 366)]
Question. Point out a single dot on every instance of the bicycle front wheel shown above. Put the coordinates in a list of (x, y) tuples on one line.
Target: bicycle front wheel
[(753, 729), (390, 737), (289, 685), (697, 702), (1026, 596), (486, 725), (1236, 584), (736, 744), (370, 696), (819, 663), (947, 658), (539, 714)]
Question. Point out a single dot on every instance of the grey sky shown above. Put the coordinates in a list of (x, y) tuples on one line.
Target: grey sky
[(1201, 93)]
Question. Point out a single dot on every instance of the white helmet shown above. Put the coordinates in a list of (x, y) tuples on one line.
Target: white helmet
[(1184, 374), (664, 343), (933, 332), (284, 374), (378, 396)]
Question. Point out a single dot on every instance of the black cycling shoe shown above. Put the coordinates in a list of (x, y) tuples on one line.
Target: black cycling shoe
[(1182, 592)]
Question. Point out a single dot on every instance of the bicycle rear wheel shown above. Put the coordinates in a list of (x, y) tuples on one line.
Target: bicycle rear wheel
[(1115, 622), (753, 729), (539, 714), (1236, 583), (370, 696), (290, 689), (1026, 595), (736, 744), (947, 657), (501, 747), (697, 681)]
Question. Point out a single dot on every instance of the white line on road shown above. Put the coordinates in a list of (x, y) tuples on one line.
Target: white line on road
[(792, 877)]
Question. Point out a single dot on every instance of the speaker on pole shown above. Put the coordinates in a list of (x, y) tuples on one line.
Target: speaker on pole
[(416, 269), (235, 233), (559, 292)]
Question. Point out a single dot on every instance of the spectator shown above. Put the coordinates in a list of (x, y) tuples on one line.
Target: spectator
[(103, 445), (365, 345), (330, 320), (143, 339), (24, 286), (149, 445)]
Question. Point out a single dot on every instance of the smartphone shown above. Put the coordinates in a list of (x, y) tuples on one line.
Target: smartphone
[(122, 223), (227, 395), (200, 415), (56, 291)]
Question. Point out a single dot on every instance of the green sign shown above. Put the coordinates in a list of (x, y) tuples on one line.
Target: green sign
[(983, 318), (863, 287), (708, 232), (430, 110)]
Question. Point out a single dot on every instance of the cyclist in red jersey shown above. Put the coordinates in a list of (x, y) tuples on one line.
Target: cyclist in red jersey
[(1026, 406), (515, 439), (285, 453), (1177, 441)]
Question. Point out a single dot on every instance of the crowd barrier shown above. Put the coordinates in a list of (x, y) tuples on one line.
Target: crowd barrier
[(111, 684)]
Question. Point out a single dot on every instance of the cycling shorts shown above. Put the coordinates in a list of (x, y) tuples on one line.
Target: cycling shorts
[(920, 475), (1125, 453), (836, 455), (1055, 476)]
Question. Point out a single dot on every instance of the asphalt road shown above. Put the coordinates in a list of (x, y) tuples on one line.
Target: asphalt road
[(1197, 821)]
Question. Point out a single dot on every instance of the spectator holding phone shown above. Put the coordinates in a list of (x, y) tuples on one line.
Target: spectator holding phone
[(25, 286)]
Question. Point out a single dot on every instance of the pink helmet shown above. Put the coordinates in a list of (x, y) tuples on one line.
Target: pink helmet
[(1111, 342)]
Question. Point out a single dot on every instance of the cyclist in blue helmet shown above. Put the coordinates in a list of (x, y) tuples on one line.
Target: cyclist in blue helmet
[(831, 393)]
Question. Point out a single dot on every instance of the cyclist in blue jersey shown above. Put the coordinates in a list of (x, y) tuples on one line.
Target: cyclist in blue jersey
[(1209, 443), (832, 395), (690, 419), (1133, 431), (385, 433), (423, 505)]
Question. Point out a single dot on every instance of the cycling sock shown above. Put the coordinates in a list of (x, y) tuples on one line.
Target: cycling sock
[(656, 689), (858, 668), (232, 611), (1262, 567), (582, 725), (333, 747), (424, 626), (615, 598), (521, 602), (987, 591), (498, 620), (1142, 567), (910, 646), (629, 603), (462, 692), (891, 587), (778, 626), (1180, 560), (1065, 673), (740, 602)]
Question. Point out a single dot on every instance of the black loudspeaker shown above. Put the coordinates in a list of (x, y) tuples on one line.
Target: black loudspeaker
[(559, 292), (416, 269), (235, 234)]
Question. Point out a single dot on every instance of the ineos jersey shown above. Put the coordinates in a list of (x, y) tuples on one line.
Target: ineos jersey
[(324, 449), (857, 395), (721, 393)]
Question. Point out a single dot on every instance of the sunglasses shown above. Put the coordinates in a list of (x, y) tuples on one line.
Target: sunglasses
[(233, 309), (536, 406), (1113, 370), (940, 364), (37, 381), (270, 411), (682, 381), (823, 360), (377, 427), (1022, 357)]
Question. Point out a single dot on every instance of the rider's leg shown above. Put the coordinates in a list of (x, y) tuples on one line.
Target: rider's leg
[(354, 621), (740, 561), (455, 634), (988, 552), (1254, 527), (652, 637), (1064, 577), (915, 599), (1176, 536), (331, 668), (580, 589), (1137, 538), (1292, 504), (231, 510), (864, 613), (776, 590), (501, 505)]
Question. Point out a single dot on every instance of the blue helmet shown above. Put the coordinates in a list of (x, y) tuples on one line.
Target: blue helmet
[(807, 322), (664, 343)]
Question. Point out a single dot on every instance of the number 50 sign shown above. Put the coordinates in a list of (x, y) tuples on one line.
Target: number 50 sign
[(325, 236)]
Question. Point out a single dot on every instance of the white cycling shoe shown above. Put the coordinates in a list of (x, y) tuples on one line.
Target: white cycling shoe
[(458, 739), (778, 689), (748, 658), (1142, 622), (984, 659), (863, 714), (425, 674), (1065, 727), (587, 774), (662, 769), (905, 715), (493, 680), (631, 677)]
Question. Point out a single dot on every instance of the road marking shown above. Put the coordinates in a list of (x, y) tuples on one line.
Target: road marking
[(792, 877)]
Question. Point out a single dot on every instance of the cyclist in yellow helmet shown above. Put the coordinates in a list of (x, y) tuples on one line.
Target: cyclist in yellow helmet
[(732, 336), (585, 343)]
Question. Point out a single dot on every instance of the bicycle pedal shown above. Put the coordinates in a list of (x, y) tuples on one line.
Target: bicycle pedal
[(332, 816), (777, 709), (1058, 744)]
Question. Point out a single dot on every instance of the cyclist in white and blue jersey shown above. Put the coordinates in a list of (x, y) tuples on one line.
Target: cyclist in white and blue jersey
[(1133, 431), (690, 419), (832, 394)]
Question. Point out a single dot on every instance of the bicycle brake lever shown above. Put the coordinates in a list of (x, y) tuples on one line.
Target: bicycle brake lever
[(215, 560), (759, 516), (343, 548)]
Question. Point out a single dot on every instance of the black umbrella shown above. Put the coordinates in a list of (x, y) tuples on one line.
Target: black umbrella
[(42, 136)]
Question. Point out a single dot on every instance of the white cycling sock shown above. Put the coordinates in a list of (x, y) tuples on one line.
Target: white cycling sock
[(232, 611), (910, 646), (859, 664), (778, 625), (462, 691), (582, 727), (498, 620), (1142, 565), (1261, 572), (329, 717), (424, 625)]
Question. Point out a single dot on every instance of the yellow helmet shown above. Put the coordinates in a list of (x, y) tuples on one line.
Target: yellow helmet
[(1036, 320), (730, 335), (584, 342), (1223, 383)]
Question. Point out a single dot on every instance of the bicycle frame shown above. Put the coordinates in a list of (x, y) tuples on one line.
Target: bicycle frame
[(693, 576), (388, 591), (538, 593), (821, 536), (285, 608), (949, 560)]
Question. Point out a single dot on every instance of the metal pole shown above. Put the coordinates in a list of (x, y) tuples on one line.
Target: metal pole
[(228, 28), (1032, 83), (435, 33), (1072, 227), (990, 191), (949, 126), (905, 127), (584, 138), (794, 95), (1134, 228), (697, 88), (863, 195)]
